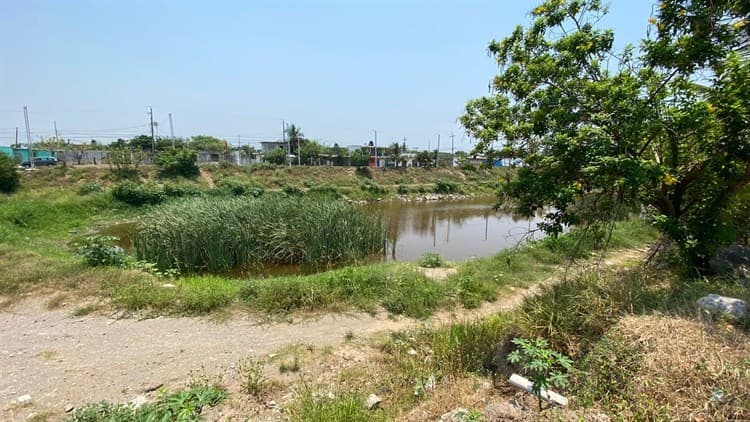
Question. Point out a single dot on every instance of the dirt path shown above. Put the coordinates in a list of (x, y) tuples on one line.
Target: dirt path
[(61, 361)]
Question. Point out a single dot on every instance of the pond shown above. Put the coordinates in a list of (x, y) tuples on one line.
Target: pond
[(457, 230)]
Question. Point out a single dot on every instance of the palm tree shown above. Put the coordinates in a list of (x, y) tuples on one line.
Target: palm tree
[(295, 138), (395, 153)]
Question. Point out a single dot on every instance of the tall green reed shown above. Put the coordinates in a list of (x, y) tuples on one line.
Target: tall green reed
[(222, 235)]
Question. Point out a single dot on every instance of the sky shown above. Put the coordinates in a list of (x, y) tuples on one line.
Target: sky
[(337, 69)]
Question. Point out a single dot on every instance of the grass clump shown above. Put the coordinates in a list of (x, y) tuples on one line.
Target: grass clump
[(344, 407), (431, 260), (136, 194), (187, 296), (199, 235), (89, 187), (445, 187), (398, 289), (182, 405)]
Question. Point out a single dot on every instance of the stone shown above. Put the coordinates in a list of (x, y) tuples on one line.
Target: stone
[(455, 415), (373, 401), (69, 408), (504, 411), (168, 286), (138, 401), (731, 260), (722, 305), (23, 399)]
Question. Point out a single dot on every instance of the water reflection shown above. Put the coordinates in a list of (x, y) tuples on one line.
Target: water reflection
[(457, 230)]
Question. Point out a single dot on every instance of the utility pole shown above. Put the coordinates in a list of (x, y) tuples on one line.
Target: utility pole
[(376, 148), (16, 136), (453, 157), (28, 136), (57, 139), (153, 136), (171, 130), (437, 153), (283, 137)]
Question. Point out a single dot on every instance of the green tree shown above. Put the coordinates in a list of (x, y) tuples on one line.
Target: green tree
[(9, 178), (177, 162), (360, 159), (208, 143), (425, 159), (277, 156), (310, 152), (598, 139), (142, 142)]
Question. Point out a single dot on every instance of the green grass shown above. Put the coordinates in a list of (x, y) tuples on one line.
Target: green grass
[(216, 236), (180, 405), (343, 407)]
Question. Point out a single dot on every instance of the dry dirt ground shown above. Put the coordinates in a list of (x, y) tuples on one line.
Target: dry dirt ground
[(51, 361)]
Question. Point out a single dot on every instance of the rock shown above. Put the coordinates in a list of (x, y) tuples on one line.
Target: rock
[(69, 408), (24, 398), (455, 415), (138, 401), (168, 286), (373, 401), (722, 305), (505, 411), (272, 405), (731, 260)]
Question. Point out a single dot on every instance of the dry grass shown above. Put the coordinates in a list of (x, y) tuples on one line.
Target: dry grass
[(685, 364)]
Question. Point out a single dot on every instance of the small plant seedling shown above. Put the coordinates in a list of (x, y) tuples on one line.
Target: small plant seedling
[(431, 260), (252, 381), (349, 336), (543, 365)]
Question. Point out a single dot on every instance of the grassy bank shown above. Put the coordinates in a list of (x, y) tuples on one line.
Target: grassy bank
[(338, 182), (642, 351), (398, 288)]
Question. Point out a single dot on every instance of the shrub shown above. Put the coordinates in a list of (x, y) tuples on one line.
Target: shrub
[(402, 189), (363, 172), (180, 190), (99, 251), (177, 162), (445, 187), (136, 194), (373, 187), (89, 187), (124, 162), (431, 260), (9, 178), (277, 156), (291, 190), (325, 190)]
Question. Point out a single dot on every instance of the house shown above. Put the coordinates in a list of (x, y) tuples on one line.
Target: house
[(268, 146)]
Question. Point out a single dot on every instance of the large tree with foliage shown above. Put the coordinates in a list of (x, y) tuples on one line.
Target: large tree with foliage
[(601, 131), (208, 143)]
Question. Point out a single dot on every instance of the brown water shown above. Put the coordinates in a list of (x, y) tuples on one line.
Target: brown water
[(457, 230)]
